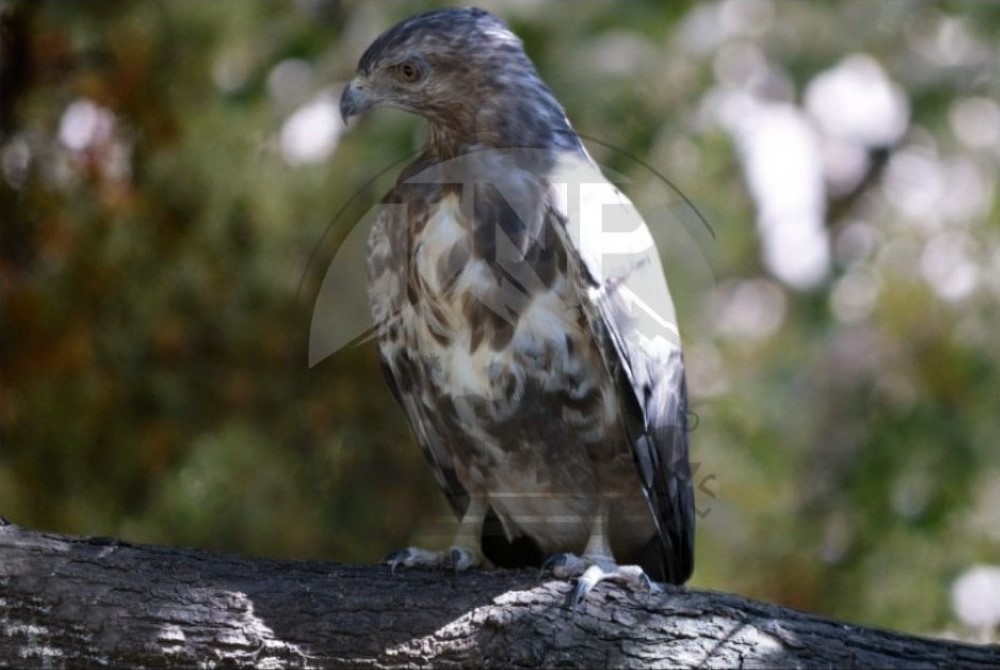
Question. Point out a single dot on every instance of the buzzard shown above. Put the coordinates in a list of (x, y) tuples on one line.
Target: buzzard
[(534, 353)]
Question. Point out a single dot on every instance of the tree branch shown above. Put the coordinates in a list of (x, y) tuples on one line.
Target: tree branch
[(71, 602)]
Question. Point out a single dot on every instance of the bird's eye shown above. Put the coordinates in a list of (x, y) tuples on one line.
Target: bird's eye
[(408, 72)]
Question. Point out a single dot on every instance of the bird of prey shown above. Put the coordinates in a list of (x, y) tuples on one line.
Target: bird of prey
[(534, 352)]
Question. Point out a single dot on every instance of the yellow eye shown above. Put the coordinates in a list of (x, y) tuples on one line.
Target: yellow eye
[(408, 72)]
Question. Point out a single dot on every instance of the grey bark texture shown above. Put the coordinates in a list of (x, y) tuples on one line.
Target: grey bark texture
[(80, 602)]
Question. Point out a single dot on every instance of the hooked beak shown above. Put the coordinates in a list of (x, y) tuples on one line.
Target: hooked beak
[(354, 100)]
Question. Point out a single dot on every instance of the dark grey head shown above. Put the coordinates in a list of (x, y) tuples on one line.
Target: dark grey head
[(463, 70)]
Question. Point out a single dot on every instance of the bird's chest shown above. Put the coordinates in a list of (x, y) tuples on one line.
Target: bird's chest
[(461, 315), (482, 326), (436, 274)]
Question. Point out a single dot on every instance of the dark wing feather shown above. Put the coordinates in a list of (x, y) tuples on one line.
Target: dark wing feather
[(642, 353)]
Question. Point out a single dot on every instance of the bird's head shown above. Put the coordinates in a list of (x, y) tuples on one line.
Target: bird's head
[(433, 63), (462, 69)]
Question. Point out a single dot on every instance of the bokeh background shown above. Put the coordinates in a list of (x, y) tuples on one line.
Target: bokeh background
[(176, 180)]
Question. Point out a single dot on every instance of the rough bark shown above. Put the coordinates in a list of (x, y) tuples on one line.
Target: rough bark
[(78, 602)]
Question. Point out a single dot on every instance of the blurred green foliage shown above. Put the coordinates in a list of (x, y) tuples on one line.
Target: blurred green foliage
[(158, 281)]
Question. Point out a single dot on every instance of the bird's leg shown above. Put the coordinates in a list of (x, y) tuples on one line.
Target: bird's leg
[(596, 564), (464, 553)]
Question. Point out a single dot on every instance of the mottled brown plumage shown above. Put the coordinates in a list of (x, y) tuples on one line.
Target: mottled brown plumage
[(550, 406)]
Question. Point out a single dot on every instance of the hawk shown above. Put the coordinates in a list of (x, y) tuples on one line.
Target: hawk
[(538, 364)]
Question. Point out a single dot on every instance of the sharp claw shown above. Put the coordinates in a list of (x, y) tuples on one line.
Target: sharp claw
[(550, 563), (391, 561), (395, 559), (591, 571), (579, 592)]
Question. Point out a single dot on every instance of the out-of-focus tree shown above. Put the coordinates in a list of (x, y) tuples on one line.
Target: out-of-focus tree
[(176, 182)]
